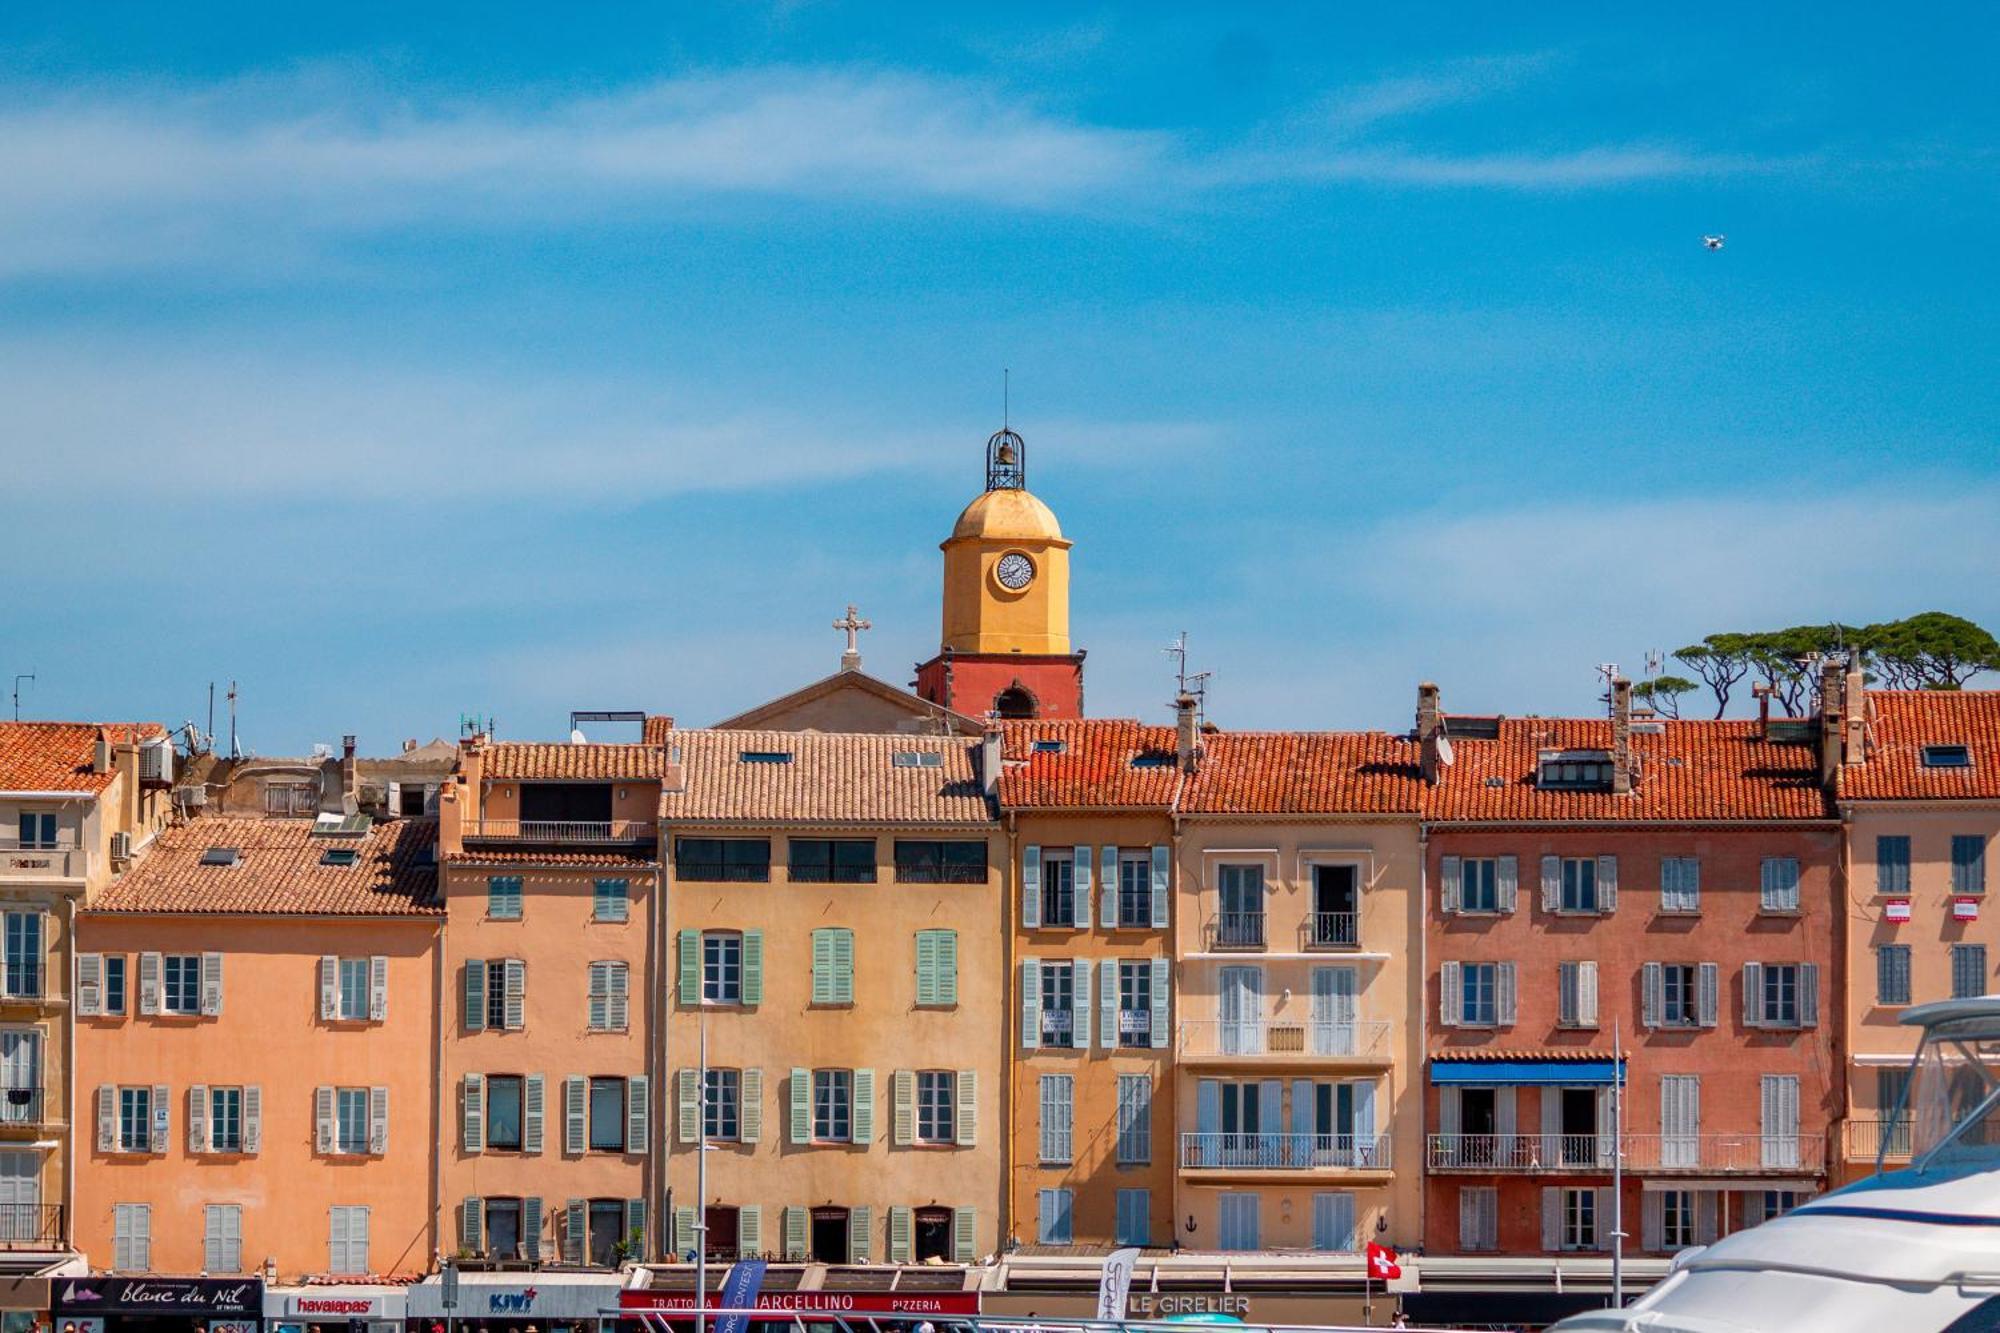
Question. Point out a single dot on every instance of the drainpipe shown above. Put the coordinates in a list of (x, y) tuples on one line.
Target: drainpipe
[(1177, 834), (1010, 1049), (657, 1010), (1423, 1012), (69, 1080), (439, 977)]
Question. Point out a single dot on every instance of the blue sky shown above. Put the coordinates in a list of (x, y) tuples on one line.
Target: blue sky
[(507, 362)]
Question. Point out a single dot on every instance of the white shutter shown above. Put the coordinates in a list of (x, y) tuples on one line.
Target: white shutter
[(1552, 1217), (1107, 893), (1449, 873), (1607, 884), (329, 988), (750, 1111), (1708, 990), (638, 1112), (574, 1115), (534, 1112), (211, 984), (1809, 994), (1552, 878), (378, 1120), (159, 1106), (515, 974), (966, 1108), (197, 1117), (1451, 1001), (1031, 1003), (89, 985), (1652, 994), (1586, 993), (378, 989), (324, 1138), (1162, 997), (1507, 877), (1079, 901), (903, 1109), (472, 1114), (149, 983), (1080, 1011), (1753, 995), (1031, 887), (1653, 1229), (620, 1005), (1504, 1002), (1107, 1003), (253, 1119), (1162, 879)]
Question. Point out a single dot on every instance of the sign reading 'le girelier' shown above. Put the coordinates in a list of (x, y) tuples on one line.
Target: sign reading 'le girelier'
[(161, 1296)]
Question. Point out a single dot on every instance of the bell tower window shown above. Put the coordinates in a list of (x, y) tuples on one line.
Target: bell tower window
[(1014, 702)]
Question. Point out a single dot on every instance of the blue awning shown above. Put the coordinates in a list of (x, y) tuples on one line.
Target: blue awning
[(1537, 1073)]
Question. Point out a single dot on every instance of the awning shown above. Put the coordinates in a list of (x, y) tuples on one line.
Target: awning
[(1537, 1073)]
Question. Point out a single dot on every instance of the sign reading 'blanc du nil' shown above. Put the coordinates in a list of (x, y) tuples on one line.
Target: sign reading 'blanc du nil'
[(161, 1296)]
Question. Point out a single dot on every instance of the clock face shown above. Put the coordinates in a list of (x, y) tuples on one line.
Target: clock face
[(1015, 571)]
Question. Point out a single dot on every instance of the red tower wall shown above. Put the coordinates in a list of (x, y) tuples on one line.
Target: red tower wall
[(968, 683)]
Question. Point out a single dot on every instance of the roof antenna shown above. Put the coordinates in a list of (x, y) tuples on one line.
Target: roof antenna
[(234, 752), (26, 675), (1609, 672), (1185, 685), (1005, 399)]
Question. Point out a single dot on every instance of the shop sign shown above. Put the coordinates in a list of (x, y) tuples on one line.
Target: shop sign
[(511, 1302), (323, 1309), (1157, 1305), (242, 1297), (1896, 909), (819, 1302), (1965, 909)]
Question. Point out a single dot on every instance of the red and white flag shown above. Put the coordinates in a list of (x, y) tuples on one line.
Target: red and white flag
[(1382, 1264)]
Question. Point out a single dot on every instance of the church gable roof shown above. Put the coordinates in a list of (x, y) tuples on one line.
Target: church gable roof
[(852, 702)]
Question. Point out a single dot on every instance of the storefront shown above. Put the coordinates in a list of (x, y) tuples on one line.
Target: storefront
[(24, 1299), (932, 1305), (346, 1308), (158, 1305), (517, 1303)]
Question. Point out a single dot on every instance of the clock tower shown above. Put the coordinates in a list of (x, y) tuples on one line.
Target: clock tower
[(1005, 647)]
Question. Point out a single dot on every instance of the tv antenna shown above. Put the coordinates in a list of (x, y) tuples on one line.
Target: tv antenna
[(1608, 671), (25, 675), (1193, 686), (1656, 662)]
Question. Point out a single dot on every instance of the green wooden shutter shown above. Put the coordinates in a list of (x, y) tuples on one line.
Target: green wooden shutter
[(471, 1225), (472, 1119), (1031, 887), (822, 964), (899, 1235), (843, 966), (927, 987), (750, 1113), (864, 1106), (860, 1234), (903, 1116), (795, 1235), (683, 1232), (1162, 998), (964, 1235), (690, 986), (576, 1232), (801, 1116), (750, 1229), (947, 967), (1031, 1003), (967, 1107), (574, 1089), (638, 1112), (687, 1105), (475, 995), (1160, 887), (635, 1226), (532, 1113), (531, 1229), (753, 967)]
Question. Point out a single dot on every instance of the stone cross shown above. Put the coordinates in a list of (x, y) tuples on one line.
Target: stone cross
[(853, 625)]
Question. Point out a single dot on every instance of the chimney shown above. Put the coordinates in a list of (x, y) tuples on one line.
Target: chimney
[(100, 754), (1855, 714), (1187, 733), (350, 796), (1832, 699), (989, 762), (1430, 732), (1621, 735), (1762, 693)]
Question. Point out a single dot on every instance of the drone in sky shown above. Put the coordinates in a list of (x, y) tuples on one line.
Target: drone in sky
[(1713, 242)]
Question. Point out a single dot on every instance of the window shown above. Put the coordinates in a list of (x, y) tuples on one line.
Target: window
[(1892, 973), (503, 1112), (940, 862), (503, 897), (1947, 756), (1680, 884), (1676, 1219), (1135, 1003), (723, 860), (1478, 1218), (503, 1228), (1240, 899), (833, 1105), (1135, 1119), (724, 1106), (917, 759), (1575, 770), (1769, 1204), (1780, 884), (222, 1238), (722, 969), (1049, 747), (1579, 884), (339, 856), (114, 983), (350, 1119), (354, 989), (935, 1119), (412, 798), (181, 991), (1058, 1004), (1135, 889), (1479, 884), (1053, 1211), (38, 830), (1057, 1125), (765, 756), (1135, 1217), (1058, 889), (347, 1240), (832, 861), (132, 1237), (225, 1120), (608, 1000), (291, 798), (1968, 863), (1781, 995), (135, 1120), (496, 995), (1481, 994), (24, 954), (220, 856), (1968, 971), (610, 900), (1892, 863), (1680, 1001), (1579, 1219), (607, 1115)]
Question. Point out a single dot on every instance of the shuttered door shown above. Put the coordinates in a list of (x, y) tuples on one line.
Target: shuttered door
[(1680, 1120), (1238, 1221), (1781, 1120)]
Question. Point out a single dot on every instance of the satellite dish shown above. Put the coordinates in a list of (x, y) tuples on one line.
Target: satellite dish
[(1444, 749), (576, 736)]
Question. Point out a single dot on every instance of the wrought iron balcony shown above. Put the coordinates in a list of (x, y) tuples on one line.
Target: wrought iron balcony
[(21, 1106), (1867, 1138), (32, 1226), (1645, 1154), (575, 832), (1518, 1152), (1299, 1040), (1284, 1152), (1331, 930), (1236, 930)]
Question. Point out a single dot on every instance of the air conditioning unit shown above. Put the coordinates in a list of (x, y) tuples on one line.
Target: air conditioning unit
[(156, 761), (121, 846)]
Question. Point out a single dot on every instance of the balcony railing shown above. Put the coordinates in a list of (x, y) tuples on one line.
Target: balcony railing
[(1284, 1152), (723, 872), (32, 1226), (830, 874), (1866, 1138), (917, 872), (1221, 1037), (574, 831), (1331, 930), (1236, 930), (21, 1106), (1652, 1154), (34, 858)]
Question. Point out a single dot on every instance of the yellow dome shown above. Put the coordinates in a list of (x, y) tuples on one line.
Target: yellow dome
[(1008, 515)]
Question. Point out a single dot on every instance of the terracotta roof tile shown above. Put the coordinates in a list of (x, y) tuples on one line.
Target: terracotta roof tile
[(1686, 771), (502, 860), (1902, 722), (1490, 1054), (57, 756), (1092, 769), (830, 778), (533, 760), (1304, 772), (279, 872)]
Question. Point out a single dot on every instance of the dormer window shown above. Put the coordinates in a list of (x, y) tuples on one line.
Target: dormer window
[(1049, 747), (765, 756), (220, 856), (1947, 756), (1574, 770)]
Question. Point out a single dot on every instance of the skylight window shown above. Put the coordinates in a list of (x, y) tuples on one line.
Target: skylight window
[(1152, 759), (340, 856), (1947, 756), (342, 826), (917, 759), (1049, 747), (766, 756), (220, 856)]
